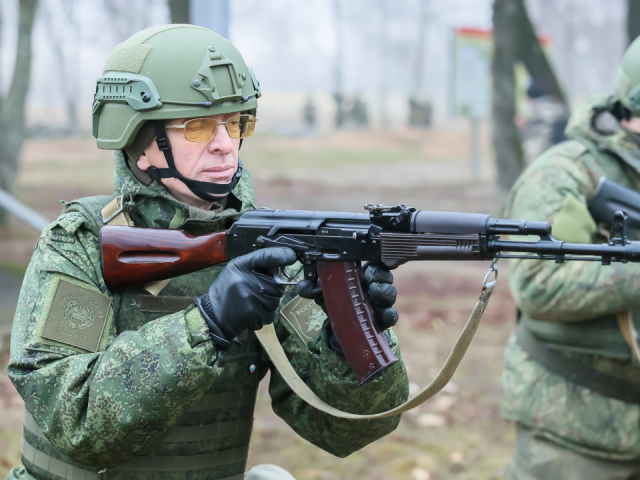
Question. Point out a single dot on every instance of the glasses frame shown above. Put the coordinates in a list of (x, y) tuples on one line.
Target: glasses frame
[(218, 123)]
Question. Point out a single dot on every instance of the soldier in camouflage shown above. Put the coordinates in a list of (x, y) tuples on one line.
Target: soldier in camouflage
[(571, 382), (145, 382), (544, 125)]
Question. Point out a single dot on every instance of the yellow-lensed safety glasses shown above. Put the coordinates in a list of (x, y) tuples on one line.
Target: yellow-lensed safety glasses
[(204, 129)]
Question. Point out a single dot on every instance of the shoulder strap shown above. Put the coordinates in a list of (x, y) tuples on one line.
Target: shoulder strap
[(91, 208), (271, 344), (629, 332)]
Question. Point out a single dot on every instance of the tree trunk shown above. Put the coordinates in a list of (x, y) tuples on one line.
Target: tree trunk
[(12, 113), (529, 50), (383, 53), (506, 138), (633, 19), (418, 66), (179, 11), (338, 94)]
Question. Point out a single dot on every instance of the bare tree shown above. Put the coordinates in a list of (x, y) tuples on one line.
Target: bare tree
[(633, 19), (506, 138), (383, 48), (338, 91), (129, 16), (179, 11), (12, 106), (529, 50), (65, 48), (515, 38), (420, 108), (418, 67)]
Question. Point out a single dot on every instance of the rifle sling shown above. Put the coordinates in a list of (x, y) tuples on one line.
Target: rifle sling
[(576, 371), (269, 340), (629, 332)]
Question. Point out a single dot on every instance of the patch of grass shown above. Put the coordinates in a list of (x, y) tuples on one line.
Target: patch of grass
[(9, 450), (17, 268)]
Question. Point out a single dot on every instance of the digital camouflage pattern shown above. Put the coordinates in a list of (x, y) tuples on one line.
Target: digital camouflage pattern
[(538, 458), (154, 370), (556, 188)]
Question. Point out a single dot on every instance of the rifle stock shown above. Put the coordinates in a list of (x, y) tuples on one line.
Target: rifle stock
[(136, 256)]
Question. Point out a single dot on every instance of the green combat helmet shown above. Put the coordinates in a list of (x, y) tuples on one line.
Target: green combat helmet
[(164, 73), (628, 81)]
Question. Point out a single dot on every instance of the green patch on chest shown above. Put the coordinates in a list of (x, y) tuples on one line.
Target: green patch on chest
[(76, 315), (305, 317)]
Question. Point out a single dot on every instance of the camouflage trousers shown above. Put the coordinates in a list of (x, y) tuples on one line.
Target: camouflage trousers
[(539, 459), (259, 472)]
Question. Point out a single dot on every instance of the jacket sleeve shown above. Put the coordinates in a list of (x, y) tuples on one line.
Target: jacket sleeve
[(557, 190), (331, 378), (102, 408)]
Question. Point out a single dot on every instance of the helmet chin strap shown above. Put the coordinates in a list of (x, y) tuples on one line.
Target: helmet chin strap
[(203, 190)]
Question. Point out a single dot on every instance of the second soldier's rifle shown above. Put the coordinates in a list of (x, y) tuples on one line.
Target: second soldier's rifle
[(331, 247)]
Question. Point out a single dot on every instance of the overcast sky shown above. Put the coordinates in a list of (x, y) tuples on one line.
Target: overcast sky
[(292, 44)]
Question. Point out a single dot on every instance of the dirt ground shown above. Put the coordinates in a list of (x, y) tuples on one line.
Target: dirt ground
[(456, 435)]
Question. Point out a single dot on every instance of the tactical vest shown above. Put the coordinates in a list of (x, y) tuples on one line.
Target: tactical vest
[(212, 439), (600, 336)]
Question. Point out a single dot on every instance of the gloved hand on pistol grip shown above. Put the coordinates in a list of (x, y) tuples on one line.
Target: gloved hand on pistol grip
[(382, 293), (244, 295)]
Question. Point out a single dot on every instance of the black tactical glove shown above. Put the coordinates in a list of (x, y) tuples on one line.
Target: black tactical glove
[(244, 295), (382, 294)]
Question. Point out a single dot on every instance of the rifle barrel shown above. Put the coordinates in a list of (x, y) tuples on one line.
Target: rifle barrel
[(608, 252)]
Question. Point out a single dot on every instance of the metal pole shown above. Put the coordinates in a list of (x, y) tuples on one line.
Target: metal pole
[(211, 14), (23, 212), (474, 147)]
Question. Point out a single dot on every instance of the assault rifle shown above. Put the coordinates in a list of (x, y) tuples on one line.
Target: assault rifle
[(611, 197), (331, 247)]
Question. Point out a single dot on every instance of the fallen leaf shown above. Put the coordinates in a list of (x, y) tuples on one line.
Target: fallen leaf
[(420, 474), (414, 388), (456, 457), (431, 420), (451, 388), (442, 403)]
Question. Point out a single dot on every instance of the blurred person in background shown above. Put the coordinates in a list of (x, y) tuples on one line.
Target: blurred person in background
[(161, 381), (309, 114), (571, 382), (359, 112), (544, 126)]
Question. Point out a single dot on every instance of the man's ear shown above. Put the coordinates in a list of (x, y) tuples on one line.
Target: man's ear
[(143, 162)]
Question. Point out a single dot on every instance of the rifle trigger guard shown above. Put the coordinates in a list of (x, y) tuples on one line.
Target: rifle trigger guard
[(282, 278)]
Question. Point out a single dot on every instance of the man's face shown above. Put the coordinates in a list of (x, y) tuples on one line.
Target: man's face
[(632, 124), (213, 161)]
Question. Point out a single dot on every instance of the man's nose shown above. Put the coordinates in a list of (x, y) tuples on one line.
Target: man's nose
[(221, 141)]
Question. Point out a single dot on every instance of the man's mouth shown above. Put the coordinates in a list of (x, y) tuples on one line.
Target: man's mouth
[(217, 174)]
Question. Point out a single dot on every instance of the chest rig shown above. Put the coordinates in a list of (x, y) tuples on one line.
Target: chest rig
[(568, 349), (212, 439)]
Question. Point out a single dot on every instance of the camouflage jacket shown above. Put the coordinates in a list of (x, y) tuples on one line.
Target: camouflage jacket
[(110, 377), (556, 188)]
